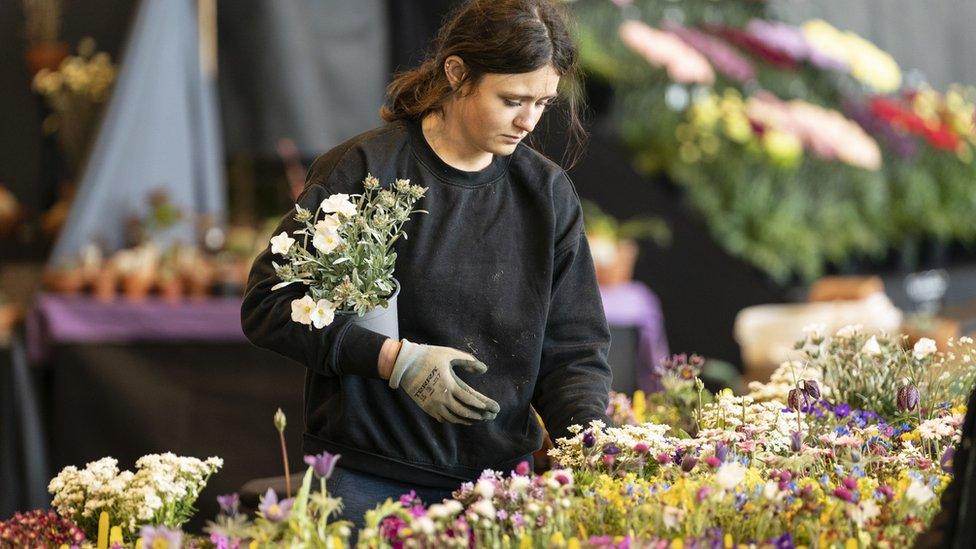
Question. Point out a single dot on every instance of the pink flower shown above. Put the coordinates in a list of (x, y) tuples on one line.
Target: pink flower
[(522, 468), (663, 49)]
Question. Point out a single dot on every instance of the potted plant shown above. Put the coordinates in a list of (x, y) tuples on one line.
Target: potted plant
[(346, 256), (42, 21), (613, 243)]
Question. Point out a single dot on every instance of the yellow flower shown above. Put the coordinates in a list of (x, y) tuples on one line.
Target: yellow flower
[(784, 148), (639, 404), (557, 539), (727, 541)]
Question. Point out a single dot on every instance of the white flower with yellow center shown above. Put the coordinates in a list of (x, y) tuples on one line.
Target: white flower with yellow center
[(281, 243), (339, 203), (322, 314), (301, 310)]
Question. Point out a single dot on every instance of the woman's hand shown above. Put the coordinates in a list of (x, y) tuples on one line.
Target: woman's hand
[(426, 373)]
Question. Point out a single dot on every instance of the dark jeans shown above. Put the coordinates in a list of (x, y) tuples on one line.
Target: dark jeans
[(361, 492)]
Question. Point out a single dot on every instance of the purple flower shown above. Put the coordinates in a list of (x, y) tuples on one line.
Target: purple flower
[(850, 483), (688, 463), (702, 493), (407, 499), (229, 503), (152, 534), (272, 509), (721, 451), (907, 398), (844, 494), (725, 59), (588, 439), (323, 464), (664, 458), (811, 388), (641, 448), (842, 410), (946, 461), (796, 441), (793, 399), (611, 449)]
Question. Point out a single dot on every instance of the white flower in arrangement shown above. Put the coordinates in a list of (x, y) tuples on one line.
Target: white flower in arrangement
[(673, 517), (730, 474), (923, 348), (329, 223), (871, 347), (919, 492), (339, 203), (281, 243), (814, 330), (485, 508), (863, 511), (850, 330), (326, 240), (485, 488), (424, 524), (301, 310), (322, 314), (936, 428)]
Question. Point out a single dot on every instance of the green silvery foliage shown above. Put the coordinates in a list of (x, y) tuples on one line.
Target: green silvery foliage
[(357, 274), (866, 371)]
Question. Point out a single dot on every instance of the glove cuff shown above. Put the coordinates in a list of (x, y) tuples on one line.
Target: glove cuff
[(404, 360)]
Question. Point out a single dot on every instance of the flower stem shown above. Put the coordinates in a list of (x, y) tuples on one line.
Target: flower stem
[(284, 459)]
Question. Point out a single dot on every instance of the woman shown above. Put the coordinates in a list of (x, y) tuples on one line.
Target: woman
[(497, 280)]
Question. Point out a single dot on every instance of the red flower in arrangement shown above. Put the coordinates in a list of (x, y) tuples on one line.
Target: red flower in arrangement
[(39, 529), (751, 44), (897, 114), (942, 138)]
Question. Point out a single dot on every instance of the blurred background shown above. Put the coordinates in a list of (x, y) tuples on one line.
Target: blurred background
[(754, 167)]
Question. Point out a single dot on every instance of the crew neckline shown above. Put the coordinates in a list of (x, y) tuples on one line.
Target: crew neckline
[(445, 171)]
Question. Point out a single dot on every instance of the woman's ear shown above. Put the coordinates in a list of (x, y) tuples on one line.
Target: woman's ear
[(455, 70)]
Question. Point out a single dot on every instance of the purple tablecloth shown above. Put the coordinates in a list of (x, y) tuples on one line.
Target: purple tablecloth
[(634, 304), (81, 319)]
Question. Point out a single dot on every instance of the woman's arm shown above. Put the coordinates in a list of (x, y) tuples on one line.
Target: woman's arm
[(339, 348), (574, 377)]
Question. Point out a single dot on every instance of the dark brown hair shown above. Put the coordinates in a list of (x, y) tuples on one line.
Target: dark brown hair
[(499, 37)]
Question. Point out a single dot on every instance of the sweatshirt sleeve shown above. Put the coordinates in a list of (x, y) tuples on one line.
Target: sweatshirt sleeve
[(574, 376), (339, 348)]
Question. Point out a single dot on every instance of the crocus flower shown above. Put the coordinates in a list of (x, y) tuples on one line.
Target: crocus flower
[(229, 503), (796, 441), (688, 463), (323, 464), (588, 439), (272, 509), (161, 536)]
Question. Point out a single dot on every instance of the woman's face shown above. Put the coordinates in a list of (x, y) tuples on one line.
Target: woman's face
[(503, 108)]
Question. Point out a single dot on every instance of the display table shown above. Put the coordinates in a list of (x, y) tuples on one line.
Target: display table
[(127, 379), (634, 305)]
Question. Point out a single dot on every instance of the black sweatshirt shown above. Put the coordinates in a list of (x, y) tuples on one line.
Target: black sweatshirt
[(499, 268)]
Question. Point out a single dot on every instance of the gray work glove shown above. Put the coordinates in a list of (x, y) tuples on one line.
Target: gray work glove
[(426, 373)]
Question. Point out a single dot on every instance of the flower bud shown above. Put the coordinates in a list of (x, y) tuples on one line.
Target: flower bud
[(793, 399), (688, 463), (641, 448), (796, 441), (721, 451), (280, 421)]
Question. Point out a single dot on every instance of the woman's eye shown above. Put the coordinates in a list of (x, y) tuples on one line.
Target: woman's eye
[(511, 103)]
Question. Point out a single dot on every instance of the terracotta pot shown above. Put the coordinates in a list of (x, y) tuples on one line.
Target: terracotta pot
[(47, 55), (170, 288), (620, 269), (105, 283), (64, 281), (136, 285), (10, 314), (199, 280)]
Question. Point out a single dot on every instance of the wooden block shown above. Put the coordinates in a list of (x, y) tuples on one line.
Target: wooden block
[(842, 288)]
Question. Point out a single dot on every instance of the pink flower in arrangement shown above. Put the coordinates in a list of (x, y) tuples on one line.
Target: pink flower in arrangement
[(664, 49), (826, 132), (725, 59)]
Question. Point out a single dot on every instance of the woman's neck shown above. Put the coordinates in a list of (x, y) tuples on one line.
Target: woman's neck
[(449, 143)]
